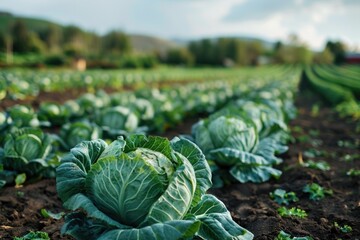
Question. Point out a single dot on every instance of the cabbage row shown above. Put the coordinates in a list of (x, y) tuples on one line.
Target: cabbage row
[(136, 187), (339, 86), (242, 139), (26, 148), (20, 84)]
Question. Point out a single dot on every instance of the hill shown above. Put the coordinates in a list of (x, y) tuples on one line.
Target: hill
[(34, 24), (148, 44), (140, 43)]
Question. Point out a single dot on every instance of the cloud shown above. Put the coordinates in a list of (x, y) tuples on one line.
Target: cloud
[(307, 18), (263, 9), (313, 20)]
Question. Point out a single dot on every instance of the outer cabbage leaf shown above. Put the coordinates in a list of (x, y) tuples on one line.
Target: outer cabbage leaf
[(246, 166), (202, 170), (216, 221), (171, 230), (268, 147), (71, 174)]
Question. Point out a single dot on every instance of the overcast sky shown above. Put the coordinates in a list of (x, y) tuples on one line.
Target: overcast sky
[(314, 21)]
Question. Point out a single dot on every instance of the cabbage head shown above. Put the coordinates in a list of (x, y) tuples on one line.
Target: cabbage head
[(117, 121), (141, 188), (55, 113), (23, 116), (232, 145), (28, 150), (73, 133)]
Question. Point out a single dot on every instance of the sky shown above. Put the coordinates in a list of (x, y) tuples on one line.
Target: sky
[(314, 21)]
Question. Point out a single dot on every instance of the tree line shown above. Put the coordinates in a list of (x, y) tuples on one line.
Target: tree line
[(115, 46), (237, 52)]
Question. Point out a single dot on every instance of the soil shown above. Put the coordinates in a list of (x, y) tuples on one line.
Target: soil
[(62, 96), (249, 204), (58, 97)]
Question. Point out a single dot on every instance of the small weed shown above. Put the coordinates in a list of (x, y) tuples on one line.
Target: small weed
[(316, 142), (347, 144), (303, 138), (315, 109), (350, 157), (34, 235), (314, 133), (285, 236), (282, 197), (316, 191), (19, 180), (20, 194), (292, 212), (344, 229), (297, 129), (320, 165), (312, 153), (353, 172), (47, 214)]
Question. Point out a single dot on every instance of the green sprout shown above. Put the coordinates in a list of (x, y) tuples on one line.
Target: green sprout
[(34, 235), (312, 153), (20, 179), (292, 212), (344, 229), (285, 236), (350, 157), (316, 191), (48, 214), (320, 165), (353, 172), (282, 197)]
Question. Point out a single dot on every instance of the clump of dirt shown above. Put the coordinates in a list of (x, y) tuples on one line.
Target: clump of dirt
[(20, 210)]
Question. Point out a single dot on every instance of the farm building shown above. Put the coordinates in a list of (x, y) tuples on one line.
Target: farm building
[(352, 58)]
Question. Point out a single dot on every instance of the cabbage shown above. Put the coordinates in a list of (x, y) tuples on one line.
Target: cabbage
[(141, 188)]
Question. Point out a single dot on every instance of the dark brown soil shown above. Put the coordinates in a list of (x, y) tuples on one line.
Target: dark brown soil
[(66, 94), (58, 97), (251, 206), (20, 210), (249, 203)]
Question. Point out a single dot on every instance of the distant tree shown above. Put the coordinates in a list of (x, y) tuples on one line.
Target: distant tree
[(338, 50), (20, 36), (52, 37), (253, 51), (35, 43), (194, 49), (302, 54), (324, 57), (278, 52), (94, 43), (179, 56), (294, 52), (72, 34), (3, 42), (221, 51), (74, 42), (237, 52), (116, 42), (24, 41)]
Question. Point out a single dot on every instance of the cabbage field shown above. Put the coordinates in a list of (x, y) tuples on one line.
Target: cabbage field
[(253, 153)]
